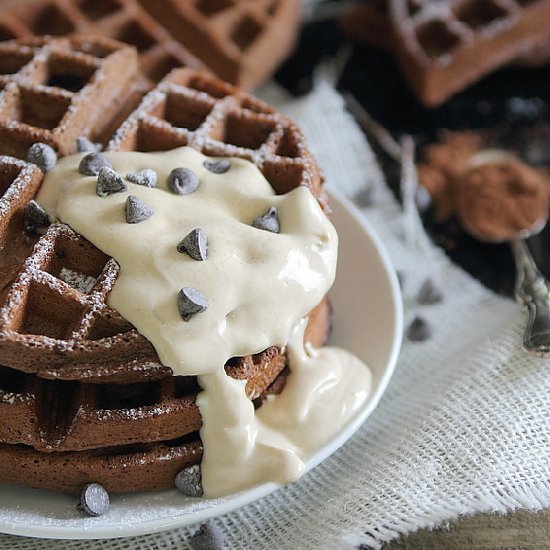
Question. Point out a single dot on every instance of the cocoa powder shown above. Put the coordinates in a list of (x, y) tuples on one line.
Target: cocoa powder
[(443, 166), (497, 200), (492, 193)]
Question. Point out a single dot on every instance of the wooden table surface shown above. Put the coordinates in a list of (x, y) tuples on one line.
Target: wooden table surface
[(517, 531)]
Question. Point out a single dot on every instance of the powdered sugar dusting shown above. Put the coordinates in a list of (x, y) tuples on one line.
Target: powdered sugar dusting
[(27, 177), (45, 509), (10, 397), (222, 101), (79, 281)]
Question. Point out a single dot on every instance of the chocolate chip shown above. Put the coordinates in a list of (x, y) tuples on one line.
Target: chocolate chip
[(191, 302), (401, 278), (194, 244), (109, 182), (94, 500), (429, 293), (368, 196), (208, 537), (84, 145), (42, 155), (217, 166), (268, 221), (183, 181), (92, 163), (419, 330), (147, 178), (188, 481), (36, 218), (137, 211)]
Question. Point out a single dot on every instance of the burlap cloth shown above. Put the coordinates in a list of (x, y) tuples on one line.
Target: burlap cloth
[(463, 427)]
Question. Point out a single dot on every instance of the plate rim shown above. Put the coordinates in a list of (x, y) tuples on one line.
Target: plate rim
[(253, 494)]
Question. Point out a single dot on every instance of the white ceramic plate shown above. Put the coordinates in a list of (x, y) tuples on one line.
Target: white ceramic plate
[(368, 322)]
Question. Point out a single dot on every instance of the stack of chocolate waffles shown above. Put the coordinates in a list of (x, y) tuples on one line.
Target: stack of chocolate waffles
[(83, 396)]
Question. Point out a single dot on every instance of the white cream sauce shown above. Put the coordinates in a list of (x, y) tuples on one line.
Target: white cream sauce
[(260, 286)]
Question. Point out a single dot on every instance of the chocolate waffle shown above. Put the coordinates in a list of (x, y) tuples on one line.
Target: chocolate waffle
[(241, 41), (368, 22), (83, 396), (443, 47), (54, 91)]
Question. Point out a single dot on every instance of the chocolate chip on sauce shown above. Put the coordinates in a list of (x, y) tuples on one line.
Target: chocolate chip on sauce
[(217, 166), (183, 181), (268, 221), (146, 177), (92, 163), (109, 182), (190, 302), (136, 210), (194, 244)]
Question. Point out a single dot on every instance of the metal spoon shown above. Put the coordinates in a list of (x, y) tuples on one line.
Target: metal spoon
[(531, 289)]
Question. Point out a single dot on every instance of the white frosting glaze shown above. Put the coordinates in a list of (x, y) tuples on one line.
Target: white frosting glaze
[(259, 285)]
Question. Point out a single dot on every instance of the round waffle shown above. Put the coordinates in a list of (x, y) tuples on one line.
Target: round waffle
[(83, 396)]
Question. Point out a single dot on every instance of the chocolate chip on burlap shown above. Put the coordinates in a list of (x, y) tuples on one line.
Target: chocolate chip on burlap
[(208, 537), (429, 293), (419, 330)]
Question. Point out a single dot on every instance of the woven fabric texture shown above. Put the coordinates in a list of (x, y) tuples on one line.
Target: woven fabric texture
[(464, 426)]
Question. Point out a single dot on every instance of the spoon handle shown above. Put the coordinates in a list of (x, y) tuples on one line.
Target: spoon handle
[(533, 290)]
